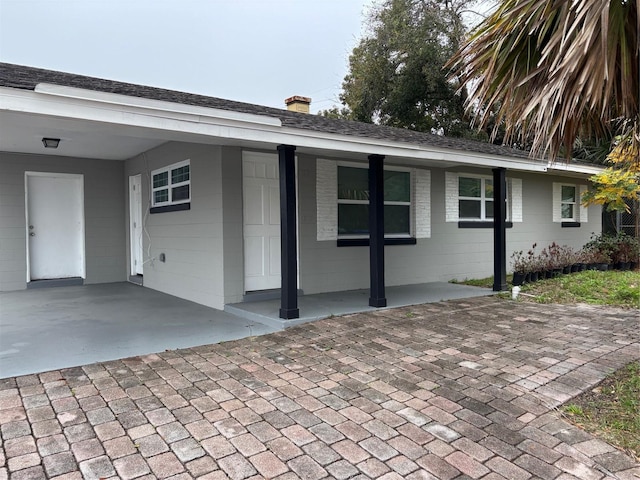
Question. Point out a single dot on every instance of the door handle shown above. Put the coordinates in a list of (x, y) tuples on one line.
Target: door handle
[(32, 234)]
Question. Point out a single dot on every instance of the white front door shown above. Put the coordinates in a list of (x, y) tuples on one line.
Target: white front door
[(261, 212), (135, 224), (55, 225)]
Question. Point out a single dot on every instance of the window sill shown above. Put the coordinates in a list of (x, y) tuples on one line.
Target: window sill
[(570, 224), (474, 224), (171, 208), (364, 242)]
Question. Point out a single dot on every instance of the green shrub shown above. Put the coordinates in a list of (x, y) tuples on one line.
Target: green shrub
[(619, 248)]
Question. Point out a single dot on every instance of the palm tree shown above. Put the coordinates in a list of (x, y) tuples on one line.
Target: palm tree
[(554, 70)]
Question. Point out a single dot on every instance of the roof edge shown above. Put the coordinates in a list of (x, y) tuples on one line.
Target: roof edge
[(152, 104)]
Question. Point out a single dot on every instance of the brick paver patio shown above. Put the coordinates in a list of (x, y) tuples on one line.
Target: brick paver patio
[(456, 390)]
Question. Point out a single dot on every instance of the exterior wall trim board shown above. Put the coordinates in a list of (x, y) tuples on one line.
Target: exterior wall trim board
[(171, 208)]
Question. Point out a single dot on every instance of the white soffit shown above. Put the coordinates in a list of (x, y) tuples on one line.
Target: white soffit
[(71, 102), (23, 132)]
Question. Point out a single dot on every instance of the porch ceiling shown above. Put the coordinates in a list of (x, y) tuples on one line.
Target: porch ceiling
[(80, 138), (23, 133)]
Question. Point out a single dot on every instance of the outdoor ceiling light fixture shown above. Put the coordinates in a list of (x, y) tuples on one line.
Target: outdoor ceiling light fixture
[(50, 142)]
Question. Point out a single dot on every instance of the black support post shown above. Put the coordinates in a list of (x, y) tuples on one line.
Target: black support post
[(499, 230), (288, 247), (376, 230)]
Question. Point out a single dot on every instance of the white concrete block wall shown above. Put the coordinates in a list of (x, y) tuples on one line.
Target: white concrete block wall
[(421, 197), (515, 198), (451, 196), (192, 240), (327, 200), (104, 204)]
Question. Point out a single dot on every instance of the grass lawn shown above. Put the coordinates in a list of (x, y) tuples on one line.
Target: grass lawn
[(611, 411), (615, 288), (621, 289)]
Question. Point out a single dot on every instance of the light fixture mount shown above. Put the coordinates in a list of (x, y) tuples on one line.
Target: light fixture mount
[(50, 142)]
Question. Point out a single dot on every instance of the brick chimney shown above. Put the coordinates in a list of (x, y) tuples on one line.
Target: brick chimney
[(298, 104)]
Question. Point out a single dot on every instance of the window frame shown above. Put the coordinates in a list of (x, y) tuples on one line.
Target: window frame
[(170, 185), (482, 199), (410, 203), (574, 203)]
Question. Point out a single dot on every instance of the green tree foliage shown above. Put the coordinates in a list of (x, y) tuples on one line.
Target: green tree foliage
[(335, 112), (396, 74)]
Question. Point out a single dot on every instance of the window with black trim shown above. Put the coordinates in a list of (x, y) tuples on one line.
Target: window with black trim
[(469, 200), (171, 185), (475, 198), (353, 202)]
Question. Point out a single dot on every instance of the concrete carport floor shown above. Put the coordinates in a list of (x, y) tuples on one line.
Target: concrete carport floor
[(52, 328)]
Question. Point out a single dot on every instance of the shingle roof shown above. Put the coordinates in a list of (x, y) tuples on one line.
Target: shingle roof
[(24, 77)]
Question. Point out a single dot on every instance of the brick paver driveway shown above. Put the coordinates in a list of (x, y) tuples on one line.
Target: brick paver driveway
[(456, 390)]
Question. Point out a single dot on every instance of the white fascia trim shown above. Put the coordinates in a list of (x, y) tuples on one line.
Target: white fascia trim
[(150, 104), (572, 168), (241, 126), (367, 146)]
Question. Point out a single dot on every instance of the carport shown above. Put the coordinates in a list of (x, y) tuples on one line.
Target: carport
[(51, 328)]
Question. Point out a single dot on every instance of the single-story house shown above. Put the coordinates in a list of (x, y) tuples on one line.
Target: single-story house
[(212, 200)]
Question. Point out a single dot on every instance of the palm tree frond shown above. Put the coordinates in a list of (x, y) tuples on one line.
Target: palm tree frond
[(554, 68)]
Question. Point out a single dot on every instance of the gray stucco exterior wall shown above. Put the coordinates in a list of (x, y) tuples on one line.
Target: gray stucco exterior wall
[(232, 228), (450, 253), (191, 240), (103, 208), (203, 246)]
